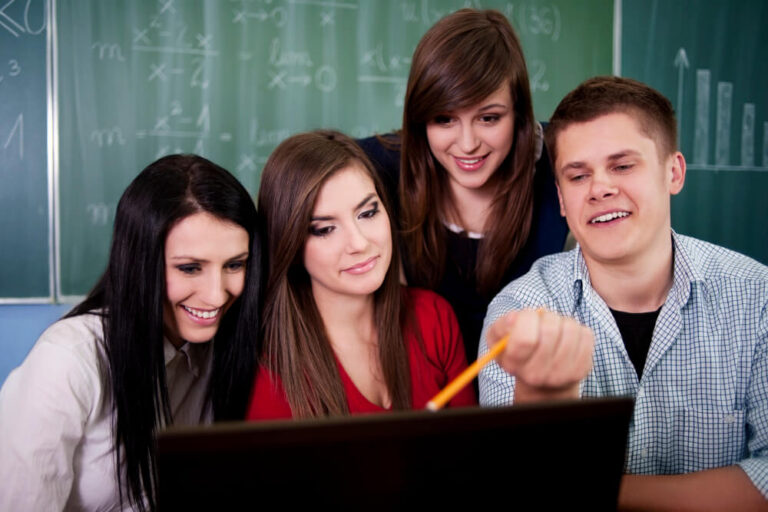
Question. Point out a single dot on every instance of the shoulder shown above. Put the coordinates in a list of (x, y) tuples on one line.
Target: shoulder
[(423, 299), (268, 398), (64, 369), (432, 313), (383, 151), (718, 263), (82, 337)]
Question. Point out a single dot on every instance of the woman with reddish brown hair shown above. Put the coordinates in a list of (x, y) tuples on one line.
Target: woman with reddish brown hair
[(477, 200), (341, 335)]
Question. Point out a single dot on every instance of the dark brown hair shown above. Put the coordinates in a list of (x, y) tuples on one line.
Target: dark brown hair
[(296, 347), (603, 95), (459, 62)]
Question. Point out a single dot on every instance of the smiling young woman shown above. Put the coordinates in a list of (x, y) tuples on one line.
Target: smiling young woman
[(78, 417), (341, 335), (477, 203)]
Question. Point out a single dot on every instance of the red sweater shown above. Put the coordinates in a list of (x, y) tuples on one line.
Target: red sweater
[(444, 360)]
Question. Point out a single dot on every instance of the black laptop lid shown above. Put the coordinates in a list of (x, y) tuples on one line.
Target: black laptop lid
[(561, 455)]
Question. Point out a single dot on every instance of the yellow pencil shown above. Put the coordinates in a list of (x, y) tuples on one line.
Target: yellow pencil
[(465, 377)]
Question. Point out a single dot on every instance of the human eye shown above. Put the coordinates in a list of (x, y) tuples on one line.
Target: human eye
[(623, 167), (189, 268), (490, 118), (371, 212), (321, 231), (236, 265), (442, 119)]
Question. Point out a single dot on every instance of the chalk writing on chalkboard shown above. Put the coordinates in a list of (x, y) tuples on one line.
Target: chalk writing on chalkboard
[(23, 21)]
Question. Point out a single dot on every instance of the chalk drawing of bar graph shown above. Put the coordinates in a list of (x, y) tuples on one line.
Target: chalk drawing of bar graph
[(724, 123)]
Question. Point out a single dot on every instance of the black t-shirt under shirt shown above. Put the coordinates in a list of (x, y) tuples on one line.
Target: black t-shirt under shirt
[(636, 330)]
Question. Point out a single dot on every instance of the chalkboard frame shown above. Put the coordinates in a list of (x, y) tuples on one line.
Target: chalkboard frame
[(50, 296)]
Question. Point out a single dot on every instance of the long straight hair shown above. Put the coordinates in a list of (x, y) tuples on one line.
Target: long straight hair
[(296, 346), (459, 62), (130, 297)]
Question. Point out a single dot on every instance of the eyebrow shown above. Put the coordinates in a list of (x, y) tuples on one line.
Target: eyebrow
[(492, 105), (199, 260), (611, 158), (621, 154), (357, 207)]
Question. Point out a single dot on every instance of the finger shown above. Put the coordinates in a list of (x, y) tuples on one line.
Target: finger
[(538, 369), (568, 361), (523, 341), (587, 352), (500, 328), (561, 370)]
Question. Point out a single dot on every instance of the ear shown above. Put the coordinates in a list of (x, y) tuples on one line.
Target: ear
[(560, 199), (677, 173)]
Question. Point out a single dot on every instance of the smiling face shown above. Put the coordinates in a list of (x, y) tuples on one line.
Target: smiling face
[(472, 143), (205, 261), (614, 188), (349, 246)]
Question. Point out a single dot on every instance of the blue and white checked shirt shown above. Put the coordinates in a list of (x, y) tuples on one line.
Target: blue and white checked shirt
[(702, 401)]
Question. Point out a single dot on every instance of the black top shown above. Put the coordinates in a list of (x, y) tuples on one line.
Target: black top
[(636, 330), (458, 285)]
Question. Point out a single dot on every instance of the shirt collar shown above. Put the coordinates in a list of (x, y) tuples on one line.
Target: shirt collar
[(194, 355), (684, 273)]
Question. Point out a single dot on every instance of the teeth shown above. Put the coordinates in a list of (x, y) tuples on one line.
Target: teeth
[(202, 314), (608, 217), (470, 161)]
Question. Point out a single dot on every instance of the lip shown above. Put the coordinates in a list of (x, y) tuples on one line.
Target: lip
[(205, 322), (363, 267), (610, 222), (461, 162)]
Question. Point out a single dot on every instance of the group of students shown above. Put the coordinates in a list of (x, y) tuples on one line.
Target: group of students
[(211, 311)]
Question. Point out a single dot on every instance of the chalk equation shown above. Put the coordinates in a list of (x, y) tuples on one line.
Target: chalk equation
[(14, 141), (100, 214), (19, 17)]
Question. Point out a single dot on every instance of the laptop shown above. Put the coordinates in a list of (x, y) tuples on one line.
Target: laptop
[(556, 455)]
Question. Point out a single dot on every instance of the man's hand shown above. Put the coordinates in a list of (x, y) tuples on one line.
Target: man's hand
[(547, 353)]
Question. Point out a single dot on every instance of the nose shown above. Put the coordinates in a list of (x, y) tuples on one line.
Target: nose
[(602, 186), (468, 140), (356, 240), (214, 289)]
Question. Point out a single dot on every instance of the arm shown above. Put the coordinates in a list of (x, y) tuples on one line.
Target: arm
[(44, 406), (726, 488)]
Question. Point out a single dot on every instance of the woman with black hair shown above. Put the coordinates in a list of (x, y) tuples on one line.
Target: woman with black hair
[(165, 337)]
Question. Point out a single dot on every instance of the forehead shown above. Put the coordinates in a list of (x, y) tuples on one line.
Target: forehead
[(202, 234), (501, 96), (602, 138), (344, 187)]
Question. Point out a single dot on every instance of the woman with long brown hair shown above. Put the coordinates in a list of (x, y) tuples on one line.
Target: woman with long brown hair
[(477, 200), (341, 335)]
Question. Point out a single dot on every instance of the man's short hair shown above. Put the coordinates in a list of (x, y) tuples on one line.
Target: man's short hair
[(604, 95)]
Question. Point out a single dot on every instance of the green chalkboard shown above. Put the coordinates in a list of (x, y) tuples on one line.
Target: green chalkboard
[(25, 249), (709, 58), (231, 79)]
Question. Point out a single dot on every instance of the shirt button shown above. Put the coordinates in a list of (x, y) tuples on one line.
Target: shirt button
[(729, 418), (644, 452), (640, 393)]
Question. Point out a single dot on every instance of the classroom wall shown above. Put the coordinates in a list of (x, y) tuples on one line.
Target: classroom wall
[(20, 326), (703, 59)]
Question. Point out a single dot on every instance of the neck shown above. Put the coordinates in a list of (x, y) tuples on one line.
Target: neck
[(637, 285), (468, 208), (346, 319)]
